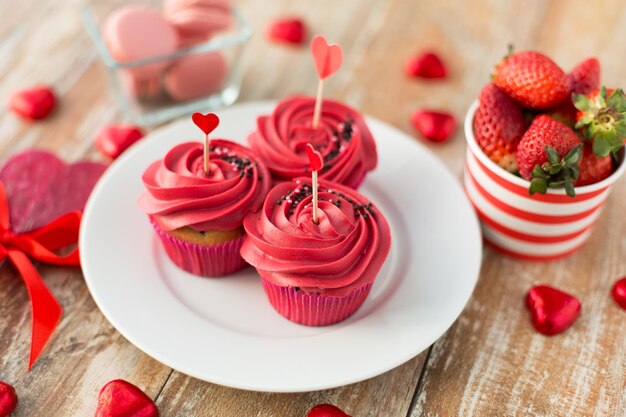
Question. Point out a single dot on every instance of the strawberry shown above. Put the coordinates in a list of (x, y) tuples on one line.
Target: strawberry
[(584, 78), (498, 126), (592, 168), (532, 79), (548, 155), (602, 119)]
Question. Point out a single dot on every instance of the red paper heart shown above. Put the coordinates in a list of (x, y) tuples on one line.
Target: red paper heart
[(326, 410), (40, 187), (327, 57), (315, 158), (33, 103), (426, 65), (206, 122), (619, 292), (119, 398), (287, 30), (434, 125), (552, 310), (112, 140), (8, 399)]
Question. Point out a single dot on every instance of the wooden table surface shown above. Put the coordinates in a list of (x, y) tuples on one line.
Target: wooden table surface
[(491, 362)]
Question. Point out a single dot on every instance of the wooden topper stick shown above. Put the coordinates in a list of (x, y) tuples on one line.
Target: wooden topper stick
[(318, 104), (317, 162), (207, 123), (327, 60)]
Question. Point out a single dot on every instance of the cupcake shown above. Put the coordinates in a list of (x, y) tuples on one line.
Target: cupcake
[(199, 217), (316, 274), (343, 139)]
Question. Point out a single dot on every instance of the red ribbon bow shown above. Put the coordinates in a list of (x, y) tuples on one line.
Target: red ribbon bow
[(39, 245)]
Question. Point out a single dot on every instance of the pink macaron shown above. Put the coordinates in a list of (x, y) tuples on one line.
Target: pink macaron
[(198, 20), (143, 88), (136, 32), (196, 76)]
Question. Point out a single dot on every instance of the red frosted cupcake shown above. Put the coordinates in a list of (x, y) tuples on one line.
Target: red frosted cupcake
[(199, 217), (316, 274), (343, 139)]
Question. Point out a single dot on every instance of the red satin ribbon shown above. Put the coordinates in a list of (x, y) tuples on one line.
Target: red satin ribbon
[(39, 245)]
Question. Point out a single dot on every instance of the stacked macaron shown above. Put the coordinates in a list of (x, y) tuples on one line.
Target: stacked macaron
[(135, 33), (198, 20)]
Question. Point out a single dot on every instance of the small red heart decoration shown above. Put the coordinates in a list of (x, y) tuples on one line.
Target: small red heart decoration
[(112, 140), (315, 158), (327, 57), (33, 103), (326, 410), (619, 292), (426, 65), (434, 125), (552, 310), (206, 122), (8, 399), (287, 30), (119, 398)]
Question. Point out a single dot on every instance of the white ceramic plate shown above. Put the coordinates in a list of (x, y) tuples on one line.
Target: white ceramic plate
[(224, 330)]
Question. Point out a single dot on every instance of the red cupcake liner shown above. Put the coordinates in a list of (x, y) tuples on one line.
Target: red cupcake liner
[(311, 309), (203, 260)]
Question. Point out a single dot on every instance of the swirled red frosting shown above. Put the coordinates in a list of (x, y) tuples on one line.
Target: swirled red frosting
[(342, 137), (180, 194), (343, 252)]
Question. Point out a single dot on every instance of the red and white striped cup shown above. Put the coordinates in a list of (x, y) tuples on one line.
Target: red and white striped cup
[(540, 227)]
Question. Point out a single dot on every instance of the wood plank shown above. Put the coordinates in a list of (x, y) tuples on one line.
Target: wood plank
[(386, 395), (492, 362)]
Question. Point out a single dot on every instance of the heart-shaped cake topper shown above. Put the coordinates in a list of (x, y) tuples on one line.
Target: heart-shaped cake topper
[(206, 122), (552, 310), (315, 158), (327, 57), (121, 398)]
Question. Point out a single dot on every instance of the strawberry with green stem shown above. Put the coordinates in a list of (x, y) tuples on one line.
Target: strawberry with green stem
[(531, 79), (549, 155), (602, 120)]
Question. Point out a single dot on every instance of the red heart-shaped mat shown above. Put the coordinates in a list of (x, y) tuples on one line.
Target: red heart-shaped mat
[(40, 187)]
